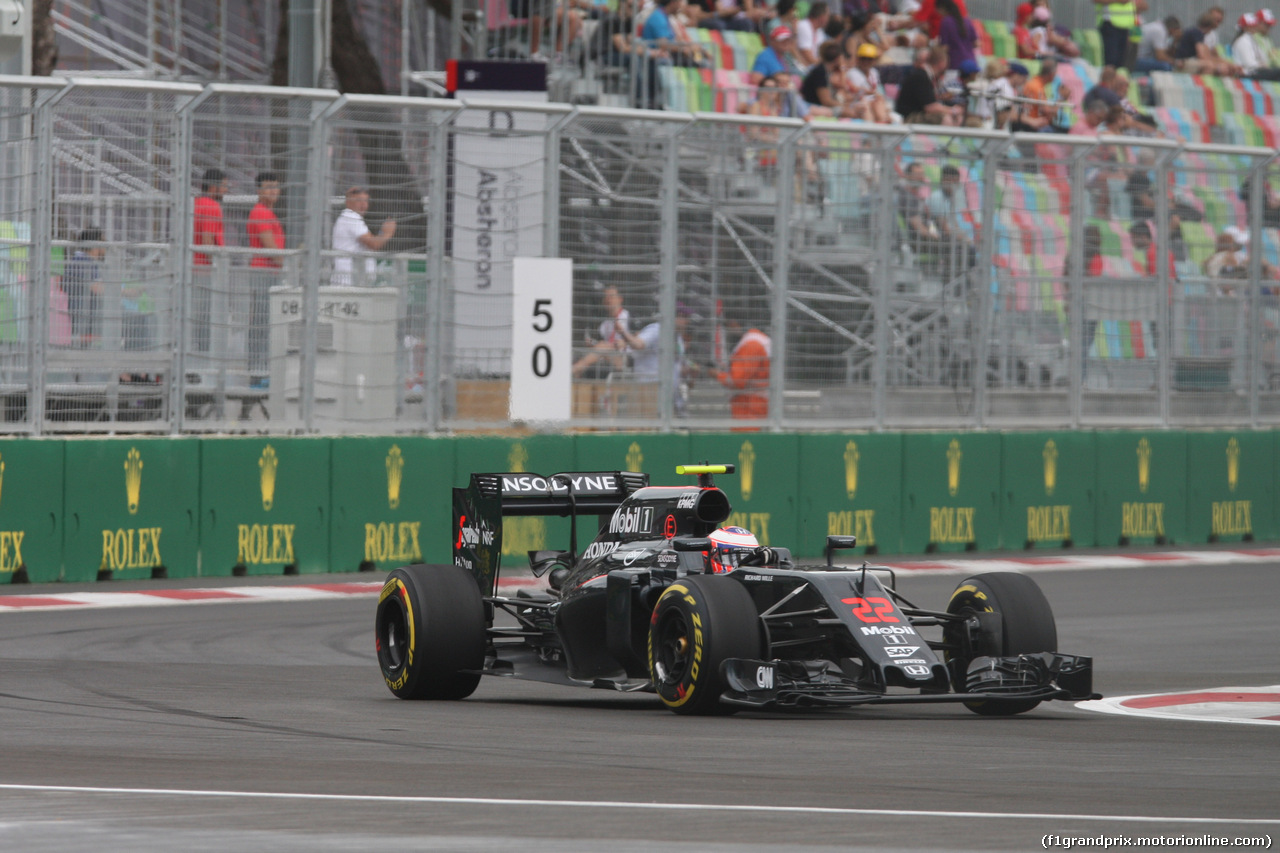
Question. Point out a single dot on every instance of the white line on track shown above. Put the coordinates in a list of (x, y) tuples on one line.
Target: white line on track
[(616, 804)]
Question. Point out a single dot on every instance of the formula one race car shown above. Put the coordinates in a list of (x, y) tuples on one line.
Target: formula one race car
[(652, 604)]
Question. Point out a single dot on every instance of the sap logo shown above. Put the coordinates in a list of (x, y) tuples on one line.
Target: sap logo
[(687, 501), (916, 670), (893, 629), (469, 536), (764, 677), (632, 519), (597, 550), (901, 651)]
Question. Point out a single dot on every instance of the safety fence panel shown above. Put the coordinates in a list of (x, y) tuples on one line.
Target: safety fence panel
[(31, 519), (618, 220), (132, 509), (1142, 494), (950, 492), (117, 190), (391, 502), (535, 454), (763, 491), (265, 506), (645, 453), (850, 485), (1230, 486), (247, 164), (1048, 490)]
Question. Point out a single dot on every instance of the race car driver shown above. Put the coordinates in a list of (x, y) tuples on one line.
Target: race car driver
[(728, 544)]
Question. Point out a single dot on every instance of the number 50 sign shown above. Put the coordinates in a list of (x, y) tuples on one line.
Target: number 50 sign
[(541, 339)]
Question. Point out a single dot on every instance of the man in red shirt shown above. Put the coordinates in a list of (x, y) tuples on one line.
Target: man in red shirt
[(206, 232), (265, 232)]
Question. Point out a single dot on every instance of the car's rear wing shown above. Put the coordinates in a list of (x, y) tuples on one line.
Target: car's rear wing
[(478, 509)]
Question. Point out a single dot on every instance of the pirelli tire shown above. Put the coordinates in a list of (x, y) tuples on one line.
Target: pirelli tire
[(698, 623), (430, 632), (1025, 626)]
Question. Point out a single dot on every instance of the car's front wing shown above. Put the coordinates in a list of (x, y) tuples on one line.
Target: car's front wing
[(784, 684)]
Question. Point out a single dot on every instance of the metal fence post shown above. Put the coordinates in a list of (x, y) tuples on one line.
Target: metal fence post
[(1164, 290), (317, 174), (436, 236), (787, 153), (984, 269), (1078, 347), (40, 274), (883, 283), (668, 256), (1257, 196)]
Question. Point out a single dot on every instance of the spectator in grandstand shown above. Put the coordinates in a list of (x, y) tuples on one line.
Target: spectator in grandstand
[(1142, 199), (917, 100), (945, 205), (207, 232), (352, 235), (1270, 203), (1045, 100), (1043, 38), (613, 43), (811, 32), (823, 87), (1268, 20), (535, 11), (1144, 249), (1247, 51), (930, 15), (1156, 48), (785, 15), (991, 96), (1225, 262), (607, 348), (82, 283), (862, 81), (1240, 236), (918, 232), (265, 232), (1117, 20), (956, 33), (1197, 55), (775, 59), (1103, 90), (1092, 121), (663, 31)]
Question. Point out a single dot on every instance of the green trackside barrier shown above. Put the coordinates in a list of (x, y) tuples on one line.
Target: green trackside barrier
[(131, 508), (540, 454), (763, 491), (1048, 481), (850, 485), (391, 502), (31, 485), (950, 492), (265, 505), (1142, 480), (1230, 486), (648, 453)]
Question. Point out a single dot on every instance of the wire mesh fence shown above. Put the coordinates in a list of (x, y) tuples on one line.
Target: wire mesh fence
[(179, 258)]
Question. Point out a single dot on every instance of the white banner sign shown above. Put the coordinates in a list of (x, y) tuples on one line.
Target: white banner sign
[(542, 339)]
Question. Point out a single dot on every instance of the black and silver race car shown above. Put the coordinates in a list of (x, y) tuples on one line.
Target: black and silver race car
[(640, 609)]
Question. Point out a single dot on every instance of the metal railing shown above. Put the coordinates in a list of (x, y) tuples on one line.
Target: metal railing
[(907, 277)]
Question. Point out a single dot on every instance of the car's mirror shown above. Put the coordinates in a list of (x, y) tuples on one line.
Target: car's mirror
[(541, 562), (839, 543), (691, 544)]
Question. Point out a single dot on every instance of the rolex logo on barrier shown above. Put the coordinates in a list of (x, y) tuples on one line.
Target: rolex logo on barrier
[(747, 468), (267, 465), (1144, 465), (954, 455), (133, 479), (851, 457), (1233, 464), (635, 458), (395, 470), (1050, 467), (518, 457)]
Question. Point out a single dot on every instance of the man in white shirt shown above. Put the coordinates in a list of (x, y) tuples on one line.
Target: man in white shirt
[(351, 235), (811, 33)]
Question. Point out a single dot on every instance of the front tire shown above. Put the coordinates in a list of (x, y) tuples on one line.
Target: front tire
[(430, 632), (698, 623), (1026, 626)]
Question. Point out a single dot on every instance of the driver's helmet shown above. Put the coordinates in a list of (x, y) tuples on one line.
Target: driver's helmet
[(727, 545)]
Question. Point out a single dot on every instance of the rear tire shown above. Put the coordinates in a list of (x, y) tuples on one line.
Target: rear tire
[(1027, 626), (698, 623), (430, 632)]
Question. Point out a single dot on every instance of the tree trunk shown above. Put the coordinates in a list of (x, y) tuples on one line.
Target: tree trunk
[(393, 190), (44, 42)]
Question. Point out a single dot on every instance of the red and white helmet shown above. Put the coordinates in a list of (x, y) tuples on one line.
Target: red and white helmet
[(727, 543)]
